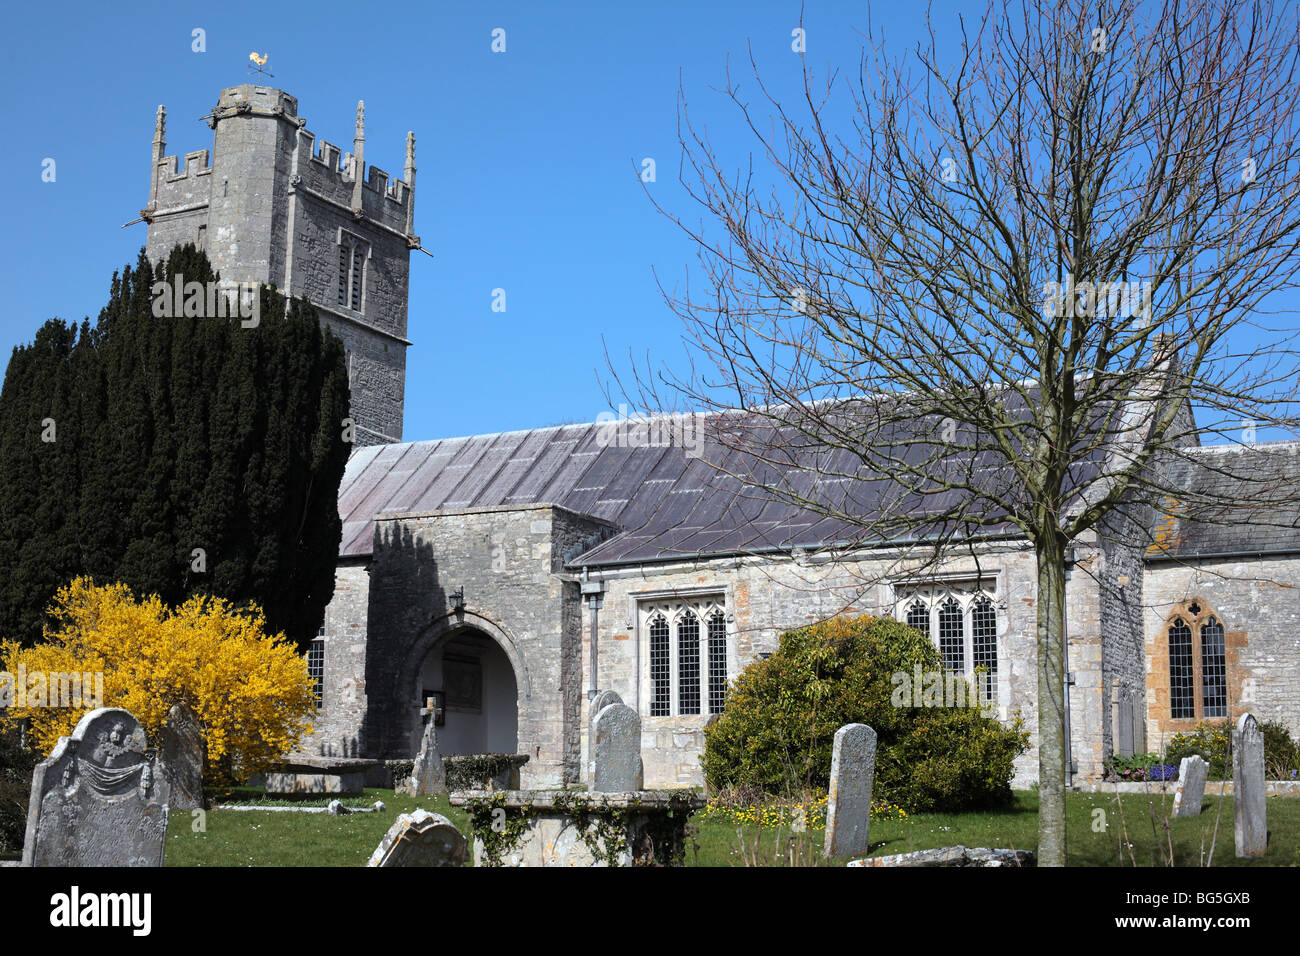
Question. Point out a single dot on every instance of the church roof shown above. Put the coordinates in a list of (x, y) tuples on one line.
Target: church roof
[(668, 500), (1231, 500)]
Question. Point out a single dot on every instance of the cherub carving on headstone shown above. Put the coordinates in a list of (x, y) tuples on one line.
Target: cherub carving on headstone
[(111, 746)]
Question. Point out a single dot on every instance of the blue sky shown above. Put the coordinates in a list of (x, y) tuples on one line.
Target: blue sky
[(528, 160)]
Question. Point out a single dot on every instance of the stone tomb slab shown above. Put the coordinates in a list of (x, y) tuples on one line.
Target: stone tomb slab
[(305, 775), (100, 799)]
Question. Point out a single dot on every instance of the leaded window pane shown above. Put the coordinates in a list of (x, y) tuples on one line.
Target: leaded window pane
[(918, 616), (660, 669), (717, 661), (952, 637), (1214, 670), (688, 664), (984, 647), (1181, 684), (316, 669)]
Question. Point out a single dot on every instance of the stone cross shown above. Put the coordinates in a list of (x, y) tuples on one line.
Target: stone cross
[(100, 799), (1250, 822), (848, 809), (428, 775), (420, 839), (1190, 791), (183, 754), (616, 746)]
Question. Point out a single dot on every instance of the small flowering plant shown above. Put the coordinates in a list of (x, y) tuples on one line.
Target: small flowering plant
[(1140, 768)]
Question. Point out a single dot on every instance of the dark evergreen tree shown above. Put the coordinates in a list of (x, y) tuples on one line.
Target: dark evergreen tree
[(127, 445)]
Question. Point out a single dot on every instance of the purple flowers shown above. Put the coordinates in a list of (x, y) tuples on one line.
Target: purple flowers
[(1164, 771)]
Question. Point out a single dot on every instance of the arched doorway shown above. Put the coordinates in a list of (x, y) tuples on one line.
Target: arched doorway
[(473, 681)]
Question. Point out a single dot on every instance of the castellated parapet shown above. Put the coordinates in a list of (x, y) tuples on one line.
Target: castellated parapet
[(271, 204)]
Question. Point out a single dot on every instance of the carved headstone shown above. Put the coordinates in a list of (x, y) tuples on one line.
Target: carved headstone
[(1251, 824), (100, 799), (420, 839), (428, 776), (617, 748), (183, 754), (1190, 791), (848, 809)]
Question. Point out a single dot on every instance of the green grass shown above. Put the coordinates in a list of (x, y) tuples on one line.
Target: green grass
[(313, 839)]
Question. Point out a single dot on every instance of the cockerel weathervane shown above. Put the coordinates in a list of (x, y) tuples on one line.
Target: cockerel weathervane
[(259, 59)]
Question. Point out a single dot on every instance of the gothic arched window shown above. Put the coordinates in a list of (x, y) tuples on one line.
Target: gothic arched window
[(961, 620), (1198, 664), (689, 648)]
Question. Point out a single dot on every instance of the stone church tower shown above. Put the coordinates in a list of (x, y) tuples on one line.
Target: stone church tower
[(271, 205)]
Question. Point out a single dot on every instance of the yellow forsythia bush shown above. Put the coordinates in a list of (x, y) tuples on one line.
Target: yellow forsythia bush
[(249, 690)]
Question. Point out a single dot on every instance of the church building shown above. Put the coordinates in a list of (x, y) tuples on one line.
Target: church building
[(496, 583)]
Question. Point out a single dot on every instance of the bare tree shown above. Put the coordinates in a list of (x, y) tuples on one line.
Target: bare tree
[(993, 291)]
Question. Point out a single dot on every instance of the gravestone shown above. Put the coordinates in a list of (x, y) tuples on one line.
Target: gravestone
[(848, 808), (598, 703), (421, 839), (1192, 773), (1250, 821), (100, 799), (183, 754), (617, 748), (1124, 741), (428, 776)]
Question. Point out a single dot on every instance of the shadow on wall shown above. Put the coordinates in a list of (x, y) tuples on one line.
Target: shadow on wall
[(405, 595), (345, 747)]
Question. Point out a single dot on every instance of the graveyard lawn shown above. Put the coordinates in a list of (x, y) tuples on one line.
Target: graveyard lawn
[(252, 838)]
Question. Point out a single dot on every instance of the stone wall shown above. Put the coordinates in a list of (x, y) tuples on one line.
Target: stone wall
[(509, 563), (765, 597), (337, 725), (389, 613), (1258, 603)]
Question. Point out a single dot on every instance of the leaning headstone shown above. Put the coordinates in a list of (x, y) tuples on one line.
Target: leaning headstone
[(428, 776), (1190, 791), (617, 747), (100, 799), (420, 839), (183, 754), (1251, 824), (848, 808)]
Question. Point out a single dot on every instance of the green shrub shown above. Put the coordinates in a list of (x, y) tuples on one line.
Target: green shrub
[(1211, 740), (1281, 752), (782, 713)]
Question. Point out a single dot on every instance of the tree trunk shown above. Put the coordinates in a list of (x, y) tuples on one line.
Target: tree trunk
[(1051, 704)]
